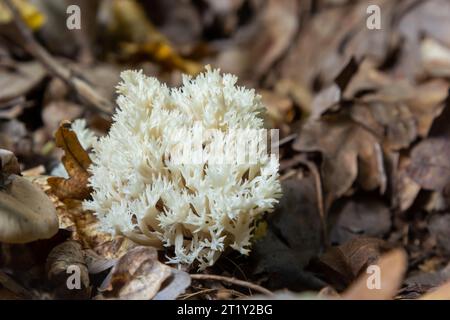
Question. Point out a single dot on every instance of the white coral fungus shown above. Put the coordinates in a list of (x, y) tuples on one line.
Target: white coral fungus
[(200, 207)]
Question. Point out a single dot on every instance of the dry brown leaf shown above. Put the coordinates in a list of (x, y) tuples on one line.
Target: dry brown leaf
[(427, 103), (440, 293), (179, 281), (439, 226), (138, 275), (430, 165), (435, 58), (19, 79), (392, 122), (329, 99), (350, 153), (84, 226), (392, 266), (76, 161), (343, 264), (257, 46), (360, 216), (8, 163), (65, 260), (404, 189)]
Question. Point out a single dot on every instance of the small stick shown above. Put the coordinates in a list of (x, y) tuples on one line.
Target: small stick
[(320, 202), (234, 281), (83, 89)]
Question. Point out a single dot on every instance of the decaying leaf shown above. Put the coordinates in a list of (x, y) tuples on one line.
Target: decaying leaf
[(19, 79), (178, 283), (137, 275), (66, 270), (362, 216), (343, 264), (440, 293), (391, 267), (8, 163), (430, 164), (254, 52), (76, 161), (350, 153), (439, 226), (84, 226)]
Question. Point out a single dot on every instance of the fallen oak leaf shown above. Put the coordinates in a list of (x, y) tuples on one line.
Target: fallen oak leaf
[(76, 161), (350, 153)]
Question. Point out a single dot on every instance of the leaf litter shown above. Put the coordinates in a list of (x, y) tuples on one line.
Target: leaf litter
[(363, 117)]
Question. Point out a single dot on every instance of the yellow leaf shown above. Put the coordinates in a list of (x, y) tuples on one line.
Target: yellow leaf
[(33, 18), (142, 38)]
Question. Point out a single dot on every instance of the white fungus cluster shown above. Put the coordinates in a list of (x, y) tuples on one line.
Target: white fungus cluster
[(143, 191)]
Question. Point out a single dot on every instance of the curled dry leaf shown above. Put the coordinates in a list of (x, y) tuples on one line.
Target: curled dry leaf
[(65, 261), (76, 161), (392, 267), (179, 281), (138, 275)]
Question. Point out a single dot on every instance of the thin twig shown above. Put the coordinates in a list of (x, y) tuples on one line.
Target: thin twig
[(319, 193), (81, 87), (234, 281)]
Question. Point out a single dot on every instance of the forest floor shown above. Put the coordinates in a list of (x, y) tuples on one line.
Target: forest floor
[(363, 115)]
